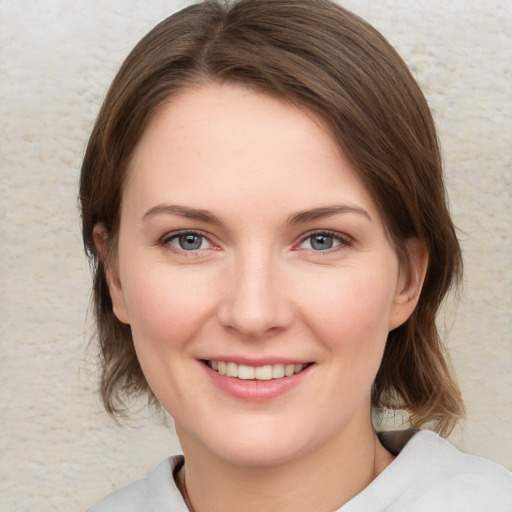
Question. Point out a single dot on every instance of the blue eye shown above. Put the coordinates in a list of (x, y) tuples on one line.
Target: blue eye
[(187, 241), (190, 242), (323, 241)]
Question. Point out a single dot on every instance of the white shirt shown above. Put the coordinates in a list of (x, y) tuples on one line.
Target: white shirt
[(428, 475)]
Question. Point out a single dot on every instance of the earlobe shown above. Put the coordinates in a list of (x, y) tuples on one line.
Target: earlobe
[(410, 283), (101, 238)]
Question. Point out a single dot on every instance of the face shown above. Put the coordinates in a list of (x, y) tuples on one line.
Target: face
[(256, 275)]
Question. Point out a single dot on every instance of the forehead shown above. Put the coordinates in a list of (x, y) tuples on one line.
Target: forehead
[(228, 144)]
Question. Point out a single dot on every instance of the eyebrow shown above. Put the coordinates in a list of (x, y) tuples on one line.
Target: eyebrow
[(297, 218), (182, 211), (326, 211)]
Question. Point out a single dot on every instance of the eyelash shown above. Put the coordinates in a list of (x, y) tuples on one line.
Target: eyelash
[(165, 241), (344, 241)]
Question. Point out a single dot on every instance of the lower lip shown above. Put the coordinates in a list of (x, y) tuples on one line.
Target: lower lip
[(256, 390)]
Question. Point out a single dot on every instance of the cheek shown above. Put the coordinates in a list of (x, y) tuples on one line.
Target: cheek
[(166, 312), (352, 313), (164, 307)]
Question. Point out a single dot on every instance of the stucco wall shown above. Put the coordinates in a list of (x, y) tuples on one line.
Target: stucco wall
[(59, 449)]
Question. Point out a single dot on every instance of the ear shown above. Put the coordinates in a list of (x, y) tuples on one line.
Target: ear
[(100, 235), (409, 283)]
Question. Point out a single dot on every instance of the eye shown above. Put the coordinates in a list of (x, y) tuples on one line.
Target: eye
[(324, 240), (187, 241)]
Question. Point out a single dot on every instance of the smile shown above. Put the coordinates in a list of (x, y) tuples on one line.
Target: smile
[(245, 372)]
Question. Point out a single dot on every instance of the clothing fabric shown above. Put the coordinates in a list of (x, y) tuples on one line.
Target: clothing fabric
[(428, 474)]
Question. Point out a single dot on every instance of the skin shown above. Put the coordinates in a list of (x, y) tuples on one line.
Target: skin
[(256, 289)]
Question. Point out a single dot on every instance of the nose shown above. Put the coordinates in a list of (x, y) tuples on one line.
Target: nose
[(255, 302)]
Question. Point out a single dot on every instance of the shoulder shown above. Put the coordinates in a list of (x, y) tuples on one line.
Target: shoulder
[(157, 492), (431, 474), (445, 477)]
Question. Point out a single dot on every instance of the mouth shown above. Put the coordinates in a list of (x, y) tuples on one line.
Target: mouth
[(246, 372)]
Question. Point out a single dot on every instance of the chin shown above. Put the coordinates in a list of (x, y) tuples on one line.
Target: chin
[(259, 444), (261, 455)]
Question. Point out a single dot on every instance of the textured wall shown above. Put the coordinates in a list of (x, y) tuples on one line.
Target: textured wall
[(59, 450)]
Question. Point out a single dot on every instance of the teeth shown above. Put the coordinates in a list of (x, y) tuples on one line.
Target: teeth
[(232, 370), (289, 370), (278, 371), (263, 372), (244, 372)]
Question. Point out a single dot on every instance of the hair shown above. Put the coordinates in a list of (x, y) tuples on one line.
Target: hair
[(327, 60)]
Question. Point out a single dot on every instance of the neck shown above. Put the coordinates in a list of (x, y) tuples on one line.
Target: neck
[(321, 480)]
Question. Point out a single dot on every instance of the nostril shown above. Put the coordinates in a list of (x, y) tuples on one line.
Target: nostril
[(254, 318)]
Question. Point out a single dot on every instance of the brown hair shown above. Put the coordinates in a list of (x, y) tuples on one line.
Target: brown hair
[(323, 58)]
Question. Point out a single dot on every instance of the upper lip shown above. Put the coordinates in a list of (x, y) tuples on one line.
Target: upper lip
[(255, 362)]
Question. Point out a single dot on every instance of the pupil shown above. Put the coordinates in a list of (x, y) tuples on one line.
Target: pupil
[(321, 242), (190, 242)]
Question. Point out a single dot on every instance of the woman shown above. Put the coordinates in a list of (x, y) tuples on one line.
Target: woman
[(263, 203)]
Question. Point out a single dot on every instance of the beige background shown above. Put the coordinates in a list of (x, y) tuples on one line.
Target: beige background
[(59, 449)]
